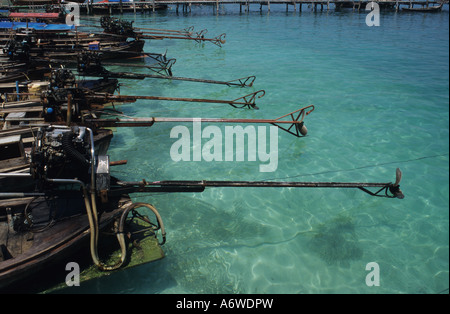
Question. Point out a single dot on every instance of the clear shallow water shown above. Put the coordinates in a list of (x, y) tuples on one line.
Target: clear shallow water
[(381, 97)]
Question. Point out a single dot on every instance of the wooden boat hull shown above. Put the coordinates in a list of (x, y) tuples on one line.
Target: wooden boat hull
[(101, 85), (114, 51), (53, 246), (63, 239), (26, 74)]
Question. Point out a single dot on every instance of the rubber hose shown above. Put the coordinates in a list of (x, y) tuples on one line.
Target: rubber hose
[(71, 151)]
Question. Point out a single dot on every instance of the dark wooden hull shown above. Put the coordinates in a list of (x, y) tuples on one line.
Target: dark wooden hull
[(69, 44), (114, 51), (54, 38), (101, 85), (54, 246), (60, 224), (26, 74)]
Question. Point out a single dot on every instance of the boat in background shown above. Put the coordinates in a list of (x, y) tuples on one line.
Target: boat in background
[(125, 6), (42, 2), (435, 8)]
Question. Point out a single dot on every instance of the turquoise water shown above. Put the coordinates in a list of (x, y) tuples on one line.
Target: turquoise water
[(382, 101)]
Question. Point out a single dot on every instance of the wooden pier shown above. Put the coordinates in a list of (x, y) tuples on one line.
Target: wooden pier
[(244, 5)]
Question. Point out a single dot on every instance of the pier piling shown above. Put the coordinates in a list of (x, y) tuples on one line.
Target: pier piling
[(89, 6)]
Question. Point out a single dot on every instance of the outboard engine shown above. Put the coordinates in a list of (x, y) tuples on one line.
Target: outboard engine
[(68, 153), (61, 153), (62, 78), (89, 63), (116, 26), (55, 100), (18, 50)]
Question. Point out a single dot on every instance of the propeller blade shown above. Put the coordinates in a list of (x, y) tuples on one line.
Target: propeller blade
[(297, 126), (398, 177)]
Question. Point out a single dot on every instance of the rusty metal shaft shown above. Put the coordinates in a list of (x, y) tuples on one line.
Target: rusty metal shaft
[(391, 190), (244, 101), (295, 121)]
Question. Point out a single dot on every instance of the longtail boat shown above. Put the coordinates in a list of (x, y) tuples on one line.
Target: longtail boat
[(67, 197), (74, 198), (435, 8), (59, 203)]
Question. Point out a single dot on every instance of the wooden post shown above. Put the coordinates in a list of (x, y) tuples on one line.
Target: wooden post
[(17, 90), (76, 36)]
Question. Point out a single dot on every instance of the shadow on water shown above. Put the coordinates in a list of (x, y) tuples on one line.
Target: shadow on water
[(336, 242), (189, 264), (201, 235)]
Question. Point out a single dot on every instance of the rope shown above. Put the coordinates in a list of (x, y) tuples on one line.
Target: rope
[(358, 168)]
